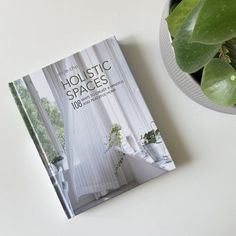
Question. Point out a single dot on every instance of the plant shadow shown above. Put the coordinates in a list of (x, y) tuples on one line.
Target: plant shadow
[(159, 111)]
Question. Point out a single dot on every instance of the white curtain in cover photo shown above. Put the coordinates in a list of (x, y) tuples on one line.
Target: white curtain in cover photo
[(86, 131), (87, 128)]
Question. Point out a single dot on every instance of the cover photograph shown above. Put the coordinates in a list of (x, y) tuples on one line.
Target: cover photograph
[(91, 126)]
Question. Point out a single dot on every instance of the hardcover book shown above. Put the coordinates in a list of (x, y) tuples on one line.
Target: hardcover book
[(91, 126)]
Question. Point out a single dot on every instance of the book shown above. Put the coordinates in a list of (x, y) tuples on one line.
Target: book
[(91, 126)]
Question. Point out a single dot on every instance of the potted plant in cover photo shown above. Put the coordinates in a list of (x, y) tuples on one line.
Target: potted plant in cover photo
[(199, 50), (150, 140)]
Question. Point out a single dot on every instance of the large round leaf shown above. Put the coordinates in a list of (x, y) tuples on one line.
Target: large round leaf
[(219, 82), (216, 22), (179, 14), (192, 56)]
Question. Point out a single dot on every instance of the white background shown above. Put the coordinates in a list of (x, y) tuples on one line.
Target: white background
[(199, 198)]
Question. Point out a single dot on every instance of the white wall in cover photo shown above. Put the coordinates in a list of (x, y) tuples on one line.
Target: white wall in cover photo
[(87, 129)]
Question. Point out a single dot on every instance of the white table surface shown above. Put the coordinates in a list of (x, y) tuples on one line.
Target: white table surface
[(198, 199)]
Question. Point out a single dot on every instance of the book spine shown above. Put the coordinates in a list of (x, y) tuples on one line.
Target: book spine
[(40, 150)]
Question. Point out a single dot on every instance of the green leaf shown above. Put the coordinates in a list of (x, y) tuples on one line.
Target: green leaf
[(233, 41), (216, 22), (219, 82), (179, 14), (192, 56)]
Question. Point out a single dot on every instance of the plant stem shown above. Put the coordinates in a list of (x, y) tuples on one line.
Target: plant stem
[(231, 48)]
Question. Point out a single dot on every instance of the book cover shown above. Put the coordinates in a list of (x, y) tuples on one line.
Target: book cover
[(91, 126)]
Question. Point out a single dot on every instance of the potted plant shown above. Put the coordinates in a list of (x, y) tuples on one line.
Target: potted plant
[(199, 50), (150, 144)]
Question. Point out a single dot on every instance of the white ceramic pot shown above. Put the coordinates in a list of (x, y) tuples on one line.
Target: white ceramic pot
[(153, 150), (183, 80)]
